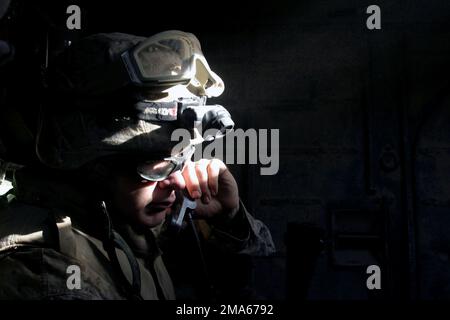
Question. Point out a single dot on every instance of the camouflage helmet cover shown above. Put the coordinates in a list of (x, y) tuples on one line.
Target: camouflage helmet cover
[(88, 113)]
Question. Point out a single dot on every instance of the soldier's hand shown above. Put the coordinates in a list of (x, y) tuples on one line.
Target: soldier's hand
[(213, 186)]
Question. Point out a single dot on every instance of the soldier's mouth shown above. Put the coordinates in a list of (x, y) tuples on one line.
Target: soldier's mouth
[(158, 207)]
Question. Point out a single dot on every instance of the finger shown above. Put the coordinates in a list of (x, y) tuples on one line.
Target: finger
[(202, 176), (215, 168), (192, 183)]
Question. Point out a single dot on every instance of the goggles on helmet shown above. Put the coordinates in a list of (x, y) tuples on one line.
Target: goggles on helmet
[(171, 58)]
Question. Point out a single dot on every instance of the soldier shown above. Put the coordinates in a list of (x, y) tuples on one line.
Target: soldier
[(110, 179)]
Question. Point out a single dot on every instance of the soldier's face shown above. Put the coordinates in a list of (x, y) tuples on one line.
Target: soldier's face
[(145, 203)]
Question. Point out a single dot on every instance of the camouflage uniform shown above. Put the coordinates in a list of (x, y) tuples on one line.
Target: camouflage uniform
[(41, 236)]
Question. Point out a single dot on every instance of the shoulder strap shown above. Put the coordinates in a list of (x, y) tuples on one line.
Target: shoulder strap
[(62, 229), (66, 238)]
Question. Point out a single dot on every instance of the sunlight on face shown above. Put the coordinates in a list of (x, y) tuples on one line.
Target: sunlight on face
[(141, 202)]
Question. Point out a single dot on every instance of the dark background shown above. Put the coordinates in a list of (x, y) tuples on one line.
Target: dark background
[(364, 124)]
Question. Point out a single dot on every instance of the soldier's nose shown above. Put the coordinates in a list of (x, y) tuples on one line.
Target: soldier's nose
[(175, 181)]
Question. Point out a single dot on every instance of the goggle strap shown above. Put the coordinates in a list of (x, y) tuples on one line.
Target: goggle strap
[(157, 111)]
